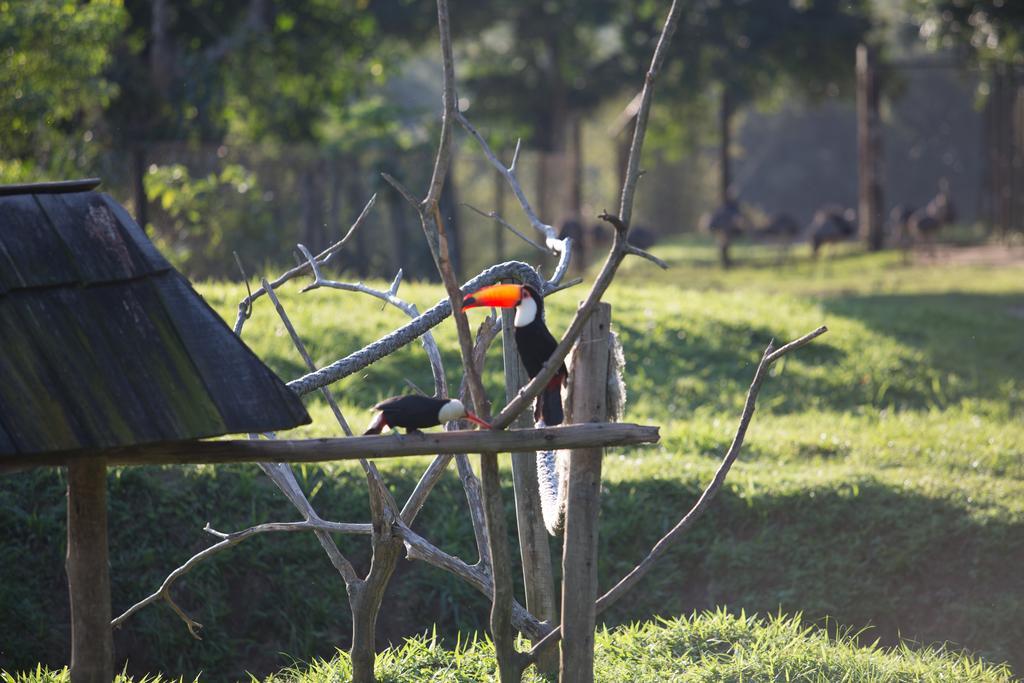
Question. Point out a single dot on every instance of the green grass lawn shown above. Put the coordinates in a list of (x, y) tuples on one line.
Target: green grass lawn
[(881, 486), (713, 646)]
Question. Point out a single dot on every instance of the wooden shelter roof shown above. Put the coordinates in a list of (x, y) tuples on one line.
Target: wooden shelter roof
[(104, 345)]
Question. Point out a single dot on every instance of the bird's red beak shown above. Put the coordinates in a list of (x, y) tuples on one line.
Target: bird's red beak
[(476, 420), (498, 296)]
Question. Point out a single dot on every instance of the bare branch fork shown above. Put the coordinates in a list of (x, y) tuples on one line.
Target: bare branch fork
[(323, 258), (768, 358)]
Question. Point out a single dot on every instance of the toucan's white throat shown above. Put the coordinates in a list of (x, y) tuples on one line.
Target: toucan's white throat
[(452, 410), (526, 312)]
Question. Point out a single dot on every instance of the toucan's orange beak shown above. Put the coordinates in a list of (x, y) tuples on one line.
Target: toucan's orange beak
[(498, 296), (476, 420)]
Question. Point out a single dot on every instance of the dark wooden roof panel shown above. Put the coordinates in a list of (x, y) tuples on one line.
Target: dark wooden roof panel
[(103, 344), (148, 252), (166, 394), (92, 234), (33, 414), (242, 390), (35, 254), (6, 443)]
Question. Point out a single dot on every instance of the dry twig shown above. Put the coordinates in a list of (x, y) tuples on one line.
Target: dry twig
[(322, 258)]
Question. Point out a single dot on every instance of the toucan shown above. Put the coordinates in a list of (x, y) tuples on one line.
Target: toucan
[(415, 412), (535, 342)]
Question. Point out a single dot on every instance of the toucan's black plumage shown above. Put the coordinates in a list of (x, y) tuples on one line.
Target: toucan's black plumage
[(415, 412), (536, 344), (534, 341)]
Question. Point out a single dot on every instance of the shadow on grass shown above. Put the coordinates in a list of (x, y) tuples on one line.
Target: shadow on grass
[(934, 351), (861, 552), (971, 343)]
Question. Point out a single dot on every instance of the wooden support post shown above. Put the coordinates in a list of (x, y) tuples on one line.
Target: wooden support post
[(92, 657), (869, 151), (589, 377), (534, 550)]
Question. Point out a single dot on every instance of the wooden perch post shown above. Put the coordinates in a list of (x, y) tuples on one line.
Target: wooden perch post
[(92, 653), (589, 377)]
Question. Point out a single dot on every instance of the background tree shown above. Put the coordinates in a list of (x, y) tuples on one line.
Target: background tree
[(539, 68), (742, 53)]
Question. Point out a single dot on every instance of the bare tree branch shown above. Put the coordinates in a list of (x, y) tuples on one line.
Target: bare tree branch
[(282, 473), (769, 357), (637, 251), (444, 147), (229, 540), (644, 110), (323, 258), (301, 347), (504, 223), (418, 548), (390, 297), (555, 245), (486, 334), (402, 190)]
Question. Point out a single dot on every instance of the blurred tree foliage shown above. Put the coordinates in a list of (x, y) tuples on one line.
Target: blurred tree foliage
[(991, 30), (87, 84), (53, 88), (537, 62)]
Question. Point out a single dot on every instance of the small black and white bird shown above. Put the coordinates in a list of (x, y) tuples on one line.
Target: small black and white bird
[(414, 412), (533, 339)]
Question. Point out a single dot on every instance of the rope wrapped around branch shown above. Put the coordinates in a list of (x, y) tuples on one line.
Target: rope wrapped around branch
[(408, 333)]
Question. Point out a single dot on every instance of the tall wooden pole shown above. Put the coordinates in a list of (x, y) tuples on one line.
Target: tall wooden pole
[(92, 651), (869, 151), (589, 377), (534, 550)]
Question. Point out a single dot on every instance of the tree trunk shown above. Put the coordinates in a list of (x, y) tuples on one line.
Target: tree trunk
[(365, 596), (725, 113), (363, 652), (399, 231), (92, 658), (535, 553), (510, 668), (365, 600), (356, 200), (869, 143), (576, 168), (448, 204), (312, 216), (139, 185), (161, 57), (499, 208)]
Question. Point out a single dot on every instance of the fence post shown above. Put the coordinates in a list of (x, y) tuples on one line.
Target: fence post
[(869, 151), (533, 538), (92, 658), (589, 377)]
